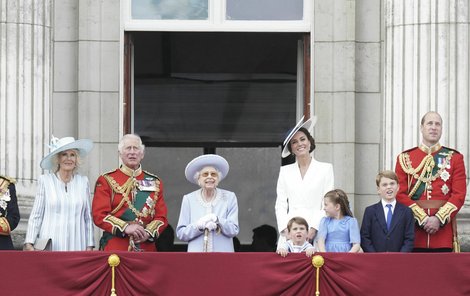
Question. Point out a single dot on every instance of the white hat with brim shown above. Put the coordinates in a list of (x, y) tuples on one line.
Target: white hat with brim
[(200, 162), (83, 146), (308, 125)]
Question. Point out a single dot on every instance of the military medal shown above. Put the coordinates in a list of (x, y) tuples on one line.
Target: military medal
[(445, 175), (445, 189), (147, 184)]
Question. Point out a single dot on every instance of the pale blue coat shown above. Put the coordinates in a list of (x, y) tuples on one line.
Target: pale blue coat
[(193, 207)]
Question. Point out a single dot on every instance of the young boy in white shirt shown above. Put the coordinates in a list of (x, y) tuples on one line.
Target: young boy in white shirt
[(297, 228)]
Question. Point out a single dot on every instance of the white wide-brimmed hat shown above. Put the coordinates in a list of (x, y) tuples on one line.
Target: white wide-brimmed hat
[(57, 145), (200, 162), (308, 125)]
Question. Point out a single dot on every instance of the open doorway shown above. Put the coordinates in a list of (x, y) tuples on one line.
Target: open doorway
[(234, 94)]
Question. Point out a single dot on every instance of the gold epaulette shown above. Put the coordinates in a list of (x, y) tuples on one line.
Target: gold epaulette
[(153, 175), (5, 182), (419, 214), (445, 211), (4, 226), (451, 149), (109, 172)]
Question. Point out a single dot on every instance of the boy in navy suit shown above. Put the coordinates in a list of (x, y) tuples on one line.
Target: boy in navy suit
[(387, 226)]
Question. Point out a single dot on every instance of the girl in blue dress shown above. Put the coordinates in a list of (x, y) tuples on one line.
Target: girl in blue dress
[(339, 230)]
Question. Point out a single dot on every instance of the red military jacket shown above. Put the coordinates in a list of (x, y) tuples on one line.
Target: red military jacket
[(121, 199), (432, 183)]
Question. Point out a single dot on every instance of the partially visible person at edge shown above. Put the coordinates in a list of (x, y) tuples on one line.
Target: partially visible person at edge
[(128, 203), (433, 184), (302, 185), (208, 218), (62, 209), (9, 213)]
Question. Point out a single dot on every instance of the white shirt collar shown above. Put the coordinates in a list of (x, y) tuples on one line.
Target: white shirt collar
[(393, 203)]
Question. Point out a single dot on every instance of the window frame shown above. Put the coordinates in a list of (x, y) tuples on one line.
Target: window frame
[(216, 21)]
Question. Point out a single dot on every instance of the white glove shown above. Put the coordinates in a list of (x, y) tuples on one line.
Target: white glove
[(201, 223), (211, 226), (211, 217)]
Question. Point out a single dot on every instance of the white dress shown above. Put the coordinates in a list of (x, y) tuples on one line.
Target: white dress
[(303, 197), (62, 214)]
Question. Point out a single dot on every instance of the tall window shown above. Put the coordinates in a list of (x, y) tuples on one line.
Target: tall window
[(215, 89)]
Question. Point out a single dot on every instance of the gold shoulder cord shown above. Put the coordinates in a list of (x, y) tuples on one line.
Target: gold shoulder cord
[(125, 190), (427, 163), (426, 167)]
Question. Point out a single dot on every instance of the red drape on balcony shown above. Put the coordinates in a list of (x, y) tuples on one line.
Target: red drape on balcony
[(88, 273)]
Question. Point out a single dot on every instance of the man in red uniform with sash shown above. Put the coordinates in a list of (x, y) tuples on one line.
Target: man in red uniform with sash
[(128, 202), (433, 184)]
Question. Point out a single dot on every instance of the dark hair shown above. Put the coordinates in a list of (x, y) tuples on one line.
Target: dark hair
[(338, 196), (298, 220), (309, 137)]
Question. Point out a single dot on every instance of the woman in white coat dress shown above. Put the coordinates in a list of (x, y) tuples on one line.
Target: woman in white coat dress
[(302, 185), (209, 216)]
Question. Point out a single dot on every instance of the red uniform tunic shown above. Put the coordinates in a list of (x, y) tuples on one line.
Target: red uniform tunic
[(432, 183), (121, 199)]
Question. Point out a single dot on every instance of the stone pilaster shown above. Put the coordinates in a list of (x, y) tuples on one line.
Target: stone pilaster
[(25, 78)]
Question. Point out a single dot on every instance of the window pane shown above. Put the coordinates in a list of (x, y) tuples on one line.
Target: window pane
[(214, 89), (264, 10), (169, 9)]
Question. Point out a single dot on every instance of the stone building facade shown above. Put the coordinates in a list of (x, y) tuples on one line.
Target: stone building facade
[(375, 68)]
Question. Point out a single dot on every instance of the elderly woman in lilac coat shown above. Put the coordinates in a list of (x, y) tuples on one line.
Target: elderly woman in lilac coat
[(209, 216)]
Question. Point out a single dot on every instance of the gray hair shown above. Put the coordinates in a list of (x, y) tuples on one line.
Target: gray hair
[(130, 136)]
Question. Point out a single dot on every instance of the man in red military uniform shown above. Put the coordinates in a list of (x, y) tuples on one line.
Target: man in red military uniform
[(128, 202), (433, 184)]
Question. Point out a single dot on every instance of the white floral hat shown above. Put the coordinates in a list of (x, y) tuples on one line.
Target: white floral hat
[(197, 164), (308, 124), (57, 145)]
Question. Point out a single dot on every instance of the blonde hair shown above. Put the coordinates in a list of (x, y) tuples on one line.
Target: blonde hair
[(55, 161)]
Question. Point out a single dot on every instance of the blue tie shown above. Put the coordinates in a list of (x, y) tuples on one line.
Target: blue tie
[(389, 216)]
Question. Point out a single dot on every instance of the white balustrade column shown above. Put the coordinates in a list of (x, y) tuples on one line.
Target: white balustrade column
[(25, 74)]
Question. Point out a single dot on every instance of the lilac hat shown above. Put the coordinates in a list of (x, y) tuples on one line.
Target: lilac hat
[(205, 160)]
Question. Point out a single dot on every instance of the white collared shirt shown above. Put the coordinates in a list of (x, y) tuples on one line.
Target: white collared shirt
[(384, 206)]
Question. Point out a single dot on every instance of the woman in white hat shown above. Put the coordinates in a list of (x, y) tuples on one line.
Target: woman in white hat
[(302, 185), (62, 210), (209, 216)]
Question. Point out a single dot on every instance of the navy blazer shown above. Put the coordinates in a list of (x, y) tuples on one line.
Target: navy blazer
[(374, 234)]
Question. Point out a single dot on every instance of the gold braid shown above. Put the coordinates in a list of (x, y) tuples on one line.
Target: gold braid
[(426, 166), (125, 190)]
